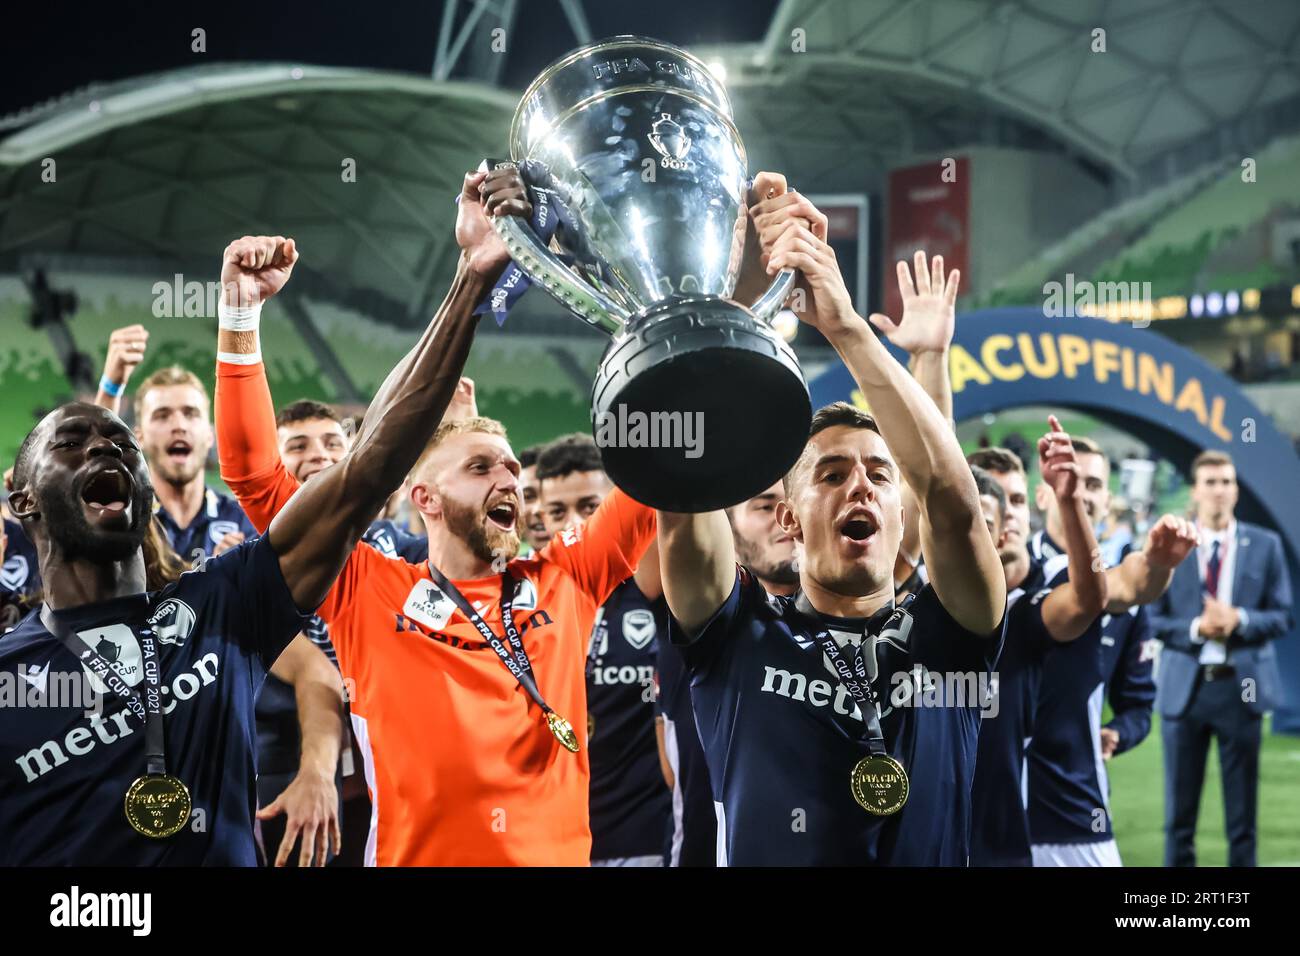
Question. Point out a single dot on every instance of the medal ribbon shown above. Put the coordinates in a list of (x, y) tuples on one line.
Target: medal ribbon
[(852, 674), (147, 706), (514, 657)]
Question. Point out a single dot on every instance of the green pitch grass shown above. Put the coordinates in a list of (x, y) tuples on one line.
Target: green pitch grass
[(1137, 795)]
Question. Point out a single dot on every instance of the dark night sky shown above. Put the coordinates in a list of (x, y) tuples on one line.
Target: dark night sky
[(47, 49)]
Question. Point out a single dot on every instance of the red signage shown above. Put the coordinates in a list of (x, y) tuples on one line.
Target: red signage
[(928, 209)]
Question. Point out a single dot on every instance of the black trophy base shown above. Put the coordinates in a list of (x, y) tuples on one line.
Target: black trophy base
[(698, 406)]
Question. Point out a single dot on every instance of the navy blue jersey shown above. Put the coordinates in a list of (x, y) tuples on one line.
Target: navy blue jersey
[(20, 576), (1128, 667), (64, 772), (394, 542), (781, 734), (1069, 793), (630, 801), (999, 821), (219, 516), (692, 836)]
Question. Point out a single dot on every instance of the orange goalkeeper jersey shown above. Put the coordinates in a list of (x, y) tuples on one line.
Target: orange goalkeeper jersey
[(461, 767)]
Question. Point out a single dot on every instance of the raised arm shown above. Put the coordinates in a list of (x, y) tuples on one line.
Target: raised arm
[(925, 334), (697, 556), (960, 556), (1145, 575), (125, 353), (314, 534), (1073, 605)]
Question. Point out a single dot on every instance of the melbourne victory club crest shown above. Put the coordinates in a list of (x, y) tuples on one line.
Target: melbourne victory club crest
[(639, 627), (671, 142)]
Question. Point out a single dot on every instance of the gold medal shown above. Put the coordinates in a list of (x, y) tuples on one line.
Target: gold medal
[(879, 784), (563, 731), (157, 805), (591, 726)]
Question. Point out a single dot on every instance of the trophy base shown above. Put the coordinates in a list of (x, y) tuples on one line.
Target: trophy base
[(697, 406)]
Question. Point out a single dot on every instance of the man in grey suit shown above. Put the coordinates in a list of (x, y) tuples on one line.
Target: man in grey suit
[(1218, 674)]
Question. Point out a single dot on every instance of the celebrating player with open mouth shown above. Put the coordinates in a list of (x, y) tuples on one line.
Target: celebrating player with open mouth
[(164, 772), (814, 754), (470, 699)]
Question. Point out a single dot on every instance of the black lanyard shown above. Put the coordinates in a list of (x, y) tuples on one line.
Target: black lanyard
[(852, 673), (514, 657), (146, 706)]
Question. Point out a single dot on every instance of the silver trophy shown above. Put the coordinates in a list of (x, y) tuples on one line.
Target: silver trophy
[(698, 404)]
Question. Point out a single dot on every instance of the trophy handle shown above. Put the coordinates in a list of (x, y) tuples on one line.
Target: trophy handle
[(767, 305), (543, 267)]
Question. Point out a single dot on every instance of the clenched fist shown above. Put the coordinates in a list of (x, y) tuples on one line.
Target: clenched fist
[(125, 352), (254, 268)]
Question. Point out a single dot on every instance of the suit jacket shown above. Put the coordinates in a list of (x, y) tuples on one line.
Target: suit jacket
[(1261, 587)]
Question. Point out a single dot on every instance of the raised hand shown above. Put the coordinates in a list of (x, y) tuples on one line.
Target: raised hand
[(765, 200), (819, 298), (929, 307), (463, 403), (1170, 540), (254, 268), (500, 192), (1057, 463), (125, 353)]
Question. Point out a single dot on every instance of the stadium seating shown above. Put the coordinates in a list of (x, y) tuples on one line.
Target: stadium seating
[(1205, 230)]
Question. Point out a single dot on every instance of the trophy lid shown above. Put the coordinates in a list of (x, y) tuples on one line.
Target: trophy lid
[(621, 64)]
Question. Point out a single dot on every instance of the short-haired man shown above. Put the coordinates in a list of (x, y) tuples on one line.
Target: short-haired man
[(531, 526), (311, 437), (1218, 673), (1039, 617), (1052, 618), (630, 803), (812, 758), (299, 724), (468, 668), (175, 432), (768, 553), (1067, 785), (163, 774)]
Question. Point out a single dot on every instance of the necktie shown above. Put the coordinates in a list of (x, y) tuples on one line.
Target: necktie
[(1212, 571)]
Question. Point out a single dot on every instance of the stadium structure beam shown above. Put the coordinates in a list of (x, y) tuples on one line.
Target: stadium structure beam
[(577, 17)]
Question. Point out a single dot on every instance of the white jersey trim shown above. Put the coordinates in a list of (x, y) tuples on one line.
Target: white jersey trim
[(721, 812), (679, 800), (1105, 853), (361, 731)]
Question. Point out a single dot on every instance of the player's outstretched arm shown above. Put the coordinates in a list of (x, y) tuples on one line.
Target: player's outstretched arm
[(310, 802), (1143, 576), (314, 534), (962, 561), (1073, 605), (697, 561)]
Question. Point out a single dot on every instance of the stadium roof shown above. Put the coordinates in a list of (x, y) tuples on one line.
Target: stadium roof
[(170, 167), (896, 72)]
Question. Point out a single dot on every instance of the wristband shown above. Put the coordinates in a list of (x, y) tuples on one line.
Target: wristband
[(240, 358), (238, 318), (110, 388)]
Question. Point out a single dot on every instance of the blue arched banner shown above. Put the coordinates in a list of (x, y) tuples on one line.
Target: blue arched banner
[(1138, 381)]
